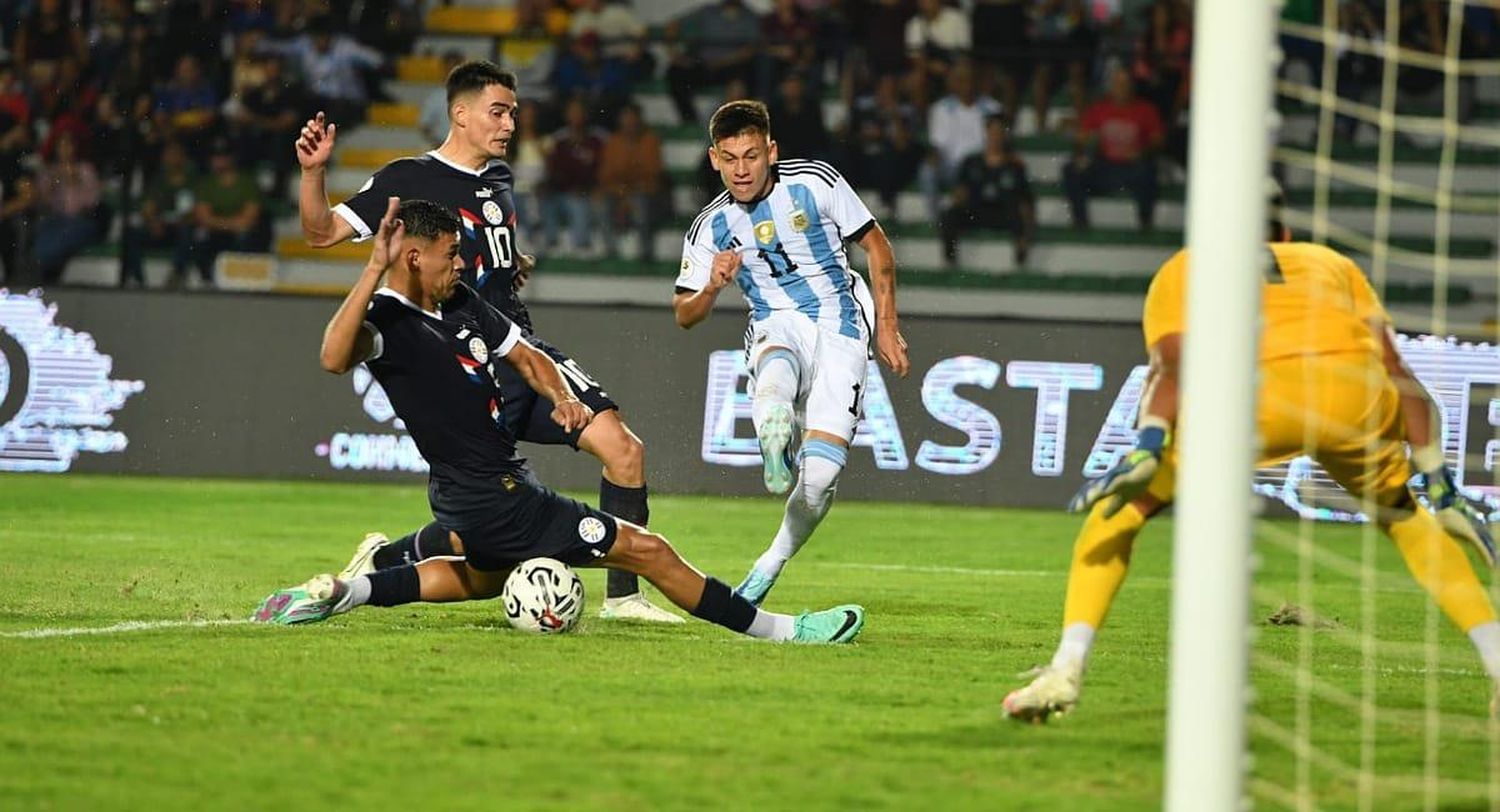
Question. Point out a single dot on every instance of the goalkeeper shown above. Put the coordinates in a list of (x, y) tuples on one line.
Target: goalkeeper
[(1332, 386)]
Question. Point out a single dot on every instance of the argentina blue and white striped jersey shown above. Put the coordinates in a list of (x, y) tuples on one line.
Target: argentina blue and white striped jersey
[(791, 246)]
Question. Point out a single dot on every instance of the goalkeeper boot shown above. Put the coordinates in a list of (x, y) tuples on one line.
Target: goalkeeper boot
[(841, 624), (1053, 691), (363, 562), (775, 435), (319, 599), (755, 586)]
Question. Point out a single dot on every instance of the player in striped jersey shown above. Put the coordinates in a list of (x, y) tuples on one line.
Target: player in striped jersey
[(778, 231)]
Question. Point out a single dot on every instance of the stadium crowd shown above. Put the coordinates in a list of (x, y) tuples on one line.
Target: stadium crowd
[(197, 101)]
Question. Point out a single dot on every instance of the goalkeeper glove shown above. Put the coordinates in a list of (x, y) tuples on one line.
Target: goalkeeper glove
[(1130, 476), (1464, 517)]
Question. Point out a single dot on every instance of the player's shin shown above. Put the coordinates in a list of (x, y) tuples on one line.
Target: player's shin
[(1101, 558), (776, 374), (1440, 566), (428, 542), (631, 505), (821, 464)]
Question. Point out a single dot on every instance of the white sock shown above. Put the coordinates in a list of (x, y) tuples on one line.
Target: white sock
[(1486, 637), (772, 626), (1073, 649), (805, 509), (775, 382), (357, 594)]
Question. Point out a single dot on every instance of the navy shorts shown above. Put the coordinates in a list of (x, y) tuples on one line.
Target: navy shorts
[(529, 414), (515, 517)]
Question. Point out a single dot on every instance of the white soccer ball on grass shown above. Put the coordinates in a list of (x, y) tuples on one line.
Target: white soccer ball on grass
[(543, 596)]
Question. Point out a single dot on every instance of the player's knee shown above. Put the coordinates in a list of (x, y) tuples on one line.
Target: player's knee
[(822, 462), (632, 453), (648, 551)]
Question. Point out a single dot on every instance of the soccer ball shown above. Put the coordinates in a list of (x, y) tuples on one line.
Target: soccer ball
[(543, 596)]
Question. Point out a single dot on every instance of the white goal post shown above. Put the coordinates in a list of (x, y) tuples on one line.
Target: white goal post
[(1228, 161)]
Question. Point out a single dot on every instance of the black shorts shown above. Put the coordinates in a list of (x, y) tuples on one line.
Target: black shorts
[(516, 517), (530, 414)]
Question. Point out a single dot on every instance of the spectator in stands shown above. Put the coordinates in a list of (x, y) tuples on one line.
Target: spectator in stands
[(333, 66), (630, 182), (789, 34), (227, 211), (1065, 46), (527, 157), (108, 37), (70, 193), (572, 179), (44, 38), (798, 121), (708, 47), (621, 34), (993, 191), (265, 118), (936, 38), (187, 108), (955, 130), (1116, 151), (433, 119), (17, 189), (886, 158), (18, 211), (166, 218), (880, 25), (583, 72), (1004, 50), (1160, 68)]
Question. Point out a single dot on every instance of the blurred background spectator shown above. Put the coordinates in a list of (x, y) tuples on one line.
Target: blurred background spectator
[(992, 191), (631, 174), (572, 181), (227, 208), (70, 194), (1116, 152)]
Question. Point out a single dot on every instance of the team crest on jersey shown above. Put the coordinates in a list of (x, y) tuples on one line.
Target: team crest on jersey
[(799, 220), (765, 231), (591, 530), (492, 212), (477, 349)]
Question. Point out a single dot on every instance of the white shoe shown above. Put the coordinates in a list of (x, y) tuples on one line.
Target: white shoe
[(636, 607), (775, 438), (1053, 692), (363, 562)]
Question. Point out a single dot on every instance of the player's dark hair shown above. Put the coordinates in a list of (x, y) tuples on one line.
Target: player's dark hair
[(476, 75), (739, 117), (426, 219)]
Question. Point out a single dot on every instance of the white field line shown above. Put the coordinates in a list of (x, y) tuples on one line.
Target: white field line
[(120, 628)]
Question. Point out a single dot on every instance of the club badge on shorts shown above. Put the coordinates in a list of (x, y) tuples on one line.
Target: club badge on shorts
[(591, 530)]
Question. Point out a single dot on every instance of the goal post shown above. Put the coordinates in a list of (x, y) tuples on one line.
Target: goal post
[(1228, 162)]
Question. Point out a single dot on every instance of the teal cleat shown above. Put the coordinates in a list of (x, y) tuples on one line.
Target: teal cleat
[(841, 624), (316, 600), (775, 437), (755, 586)]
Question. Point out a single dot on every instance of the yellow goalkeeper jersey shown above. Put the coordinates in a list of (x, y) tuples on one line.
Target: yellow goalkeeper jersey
[(1314, 301)]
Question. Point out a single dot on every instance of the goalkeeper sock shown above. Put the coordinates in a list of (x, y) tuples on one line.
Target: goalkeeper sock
[(1486, 638), (428, 542), (1073, 649), (775, 383), (1440, 566), (1101, 558), (629, 504)]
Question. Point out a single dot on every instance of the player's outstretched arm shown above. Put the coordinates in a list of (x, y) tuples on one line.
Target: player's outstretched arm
[(346, 342), (882, 264), (694, 306), (320, 227), (1132, 475), (541, 373)]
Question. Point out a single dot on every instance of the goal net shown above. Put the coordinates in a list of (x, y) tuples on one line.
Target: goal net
[(1386, 139)]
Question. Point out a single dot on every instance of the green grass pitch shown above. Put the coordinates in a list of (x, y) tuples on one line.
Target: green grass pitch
[(429, 707)]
